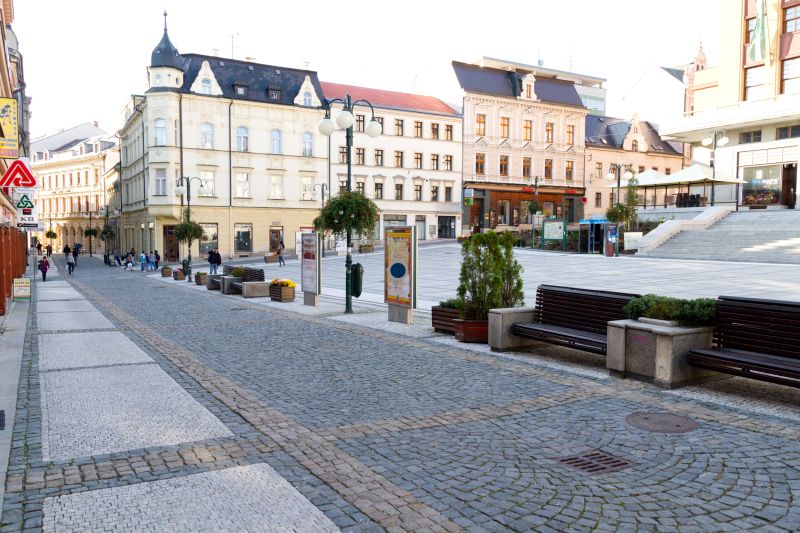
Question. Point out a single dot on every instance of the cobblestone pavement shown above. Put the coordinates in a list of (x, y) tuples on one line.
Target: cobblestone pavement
[(333, 423)]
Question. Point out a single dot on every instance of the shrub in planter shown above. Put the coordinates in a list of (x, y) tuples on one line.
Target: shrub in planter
[(200, 278), (451, 303), (443, 315), (698, 312), (237, 272)]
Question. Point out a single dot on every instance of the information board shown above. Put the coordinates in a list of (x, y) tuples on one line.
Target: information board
[(400, 266), (553, 230), (22, 289), (311, 264)]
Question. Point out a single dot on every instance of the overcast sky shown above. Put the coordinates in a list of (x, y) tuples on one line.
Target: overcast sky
[(84, 58)]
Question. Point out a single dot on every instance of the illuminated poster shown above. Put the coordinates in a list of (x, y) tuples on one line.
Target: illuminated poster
[(9, 132), (310, 264), (399, 272)]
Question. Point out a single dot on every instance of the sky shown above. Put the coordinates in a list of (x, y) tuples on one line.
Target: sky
[(83, 59)]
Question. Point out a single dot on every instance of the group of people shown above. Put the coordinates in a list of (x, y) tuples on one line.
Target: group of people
[(148, 261), (214, 260), (48, 249)]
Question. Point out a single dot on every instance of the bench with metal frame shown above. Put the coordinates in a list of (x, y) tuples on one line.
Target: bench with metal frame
[(754, 338), (576, 318), (252, 284)]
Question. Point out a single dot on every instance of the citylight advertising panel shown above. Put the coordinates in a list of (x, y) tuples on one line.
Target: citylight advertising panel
[(9, 130), (311, 265), (400, 267)]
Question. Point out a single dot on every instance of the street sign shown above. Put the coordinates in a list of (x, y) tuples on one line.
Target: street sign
[(9, 131), (17, 175), (38, 227), (22, 289), (24, 202)]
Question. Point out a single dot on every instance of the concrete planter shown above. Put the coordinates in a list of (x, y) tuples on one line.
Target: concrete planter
[(656, 353), (472, 330), (442, 319)]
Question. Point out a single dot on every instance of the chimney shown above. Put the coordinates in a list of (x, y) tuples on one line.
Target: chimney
[(95, 124)]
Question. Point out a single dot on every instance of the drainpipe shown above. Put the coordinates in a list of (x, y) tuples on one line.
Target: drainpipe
[(230, 182)]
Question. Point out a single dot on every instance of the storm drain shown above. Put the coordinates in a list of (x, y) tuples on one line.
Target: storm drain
[(2, 419), (596, 462), (662, 422), (238, 309)]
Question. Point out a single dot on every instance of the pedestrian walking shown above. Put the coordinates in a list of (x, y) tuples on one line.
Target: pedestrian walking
[(117, 258), (75, 254), (39, 248), (67, 251), (151, 261), (281, 248), (44, 266), (158, 258), (70, 264), (49, 249), (143, 260)]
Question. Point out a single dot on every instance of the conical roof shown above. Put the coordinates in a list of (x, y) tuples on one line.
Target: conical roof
[(165, 54)]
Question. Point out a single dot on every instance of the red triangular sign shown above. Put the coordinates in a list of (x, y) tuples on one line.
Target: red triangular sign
[(18, 175)]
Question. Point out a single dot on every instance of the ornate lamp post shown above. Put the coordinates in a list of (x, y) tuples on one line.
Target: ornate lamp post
[(183, 185), (714, 138), (610, 177), (345, 120), (533, 215), (322, 187)]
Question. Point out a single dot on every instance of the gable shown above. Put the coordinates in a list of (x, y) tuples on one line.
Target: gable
[(307, 87), (205, 73)]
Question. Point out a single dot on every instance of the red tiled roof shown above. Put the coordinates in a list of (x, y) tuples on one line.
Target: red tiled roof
[(388, 99)]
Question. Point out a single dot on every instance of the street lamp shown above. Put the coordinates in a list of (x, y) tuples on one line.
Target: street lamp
[(344, 120), (183, 185), (143, 246), (322, 187), (533, 215), (714, 138), (610, 177), (90, 234)]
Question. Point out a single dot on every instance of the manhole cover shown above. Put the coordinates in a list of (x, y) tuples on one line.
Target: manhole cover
[(595, 462), (662, 422)]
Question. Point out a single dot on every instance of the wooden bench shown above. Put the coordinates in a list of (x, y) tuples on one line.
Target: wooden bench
[(758, 339), (577, 318), (252, 283), (214, 281)]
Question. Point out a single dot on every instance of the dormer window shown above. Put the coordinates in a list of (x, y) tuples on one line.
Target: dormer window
[(205, 86), (240, 90), (528, 93), (274, 94), (307, 99)]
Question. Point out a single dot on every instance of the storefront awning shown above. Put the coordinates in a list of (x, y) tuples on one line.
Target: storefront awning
[(695, 174)]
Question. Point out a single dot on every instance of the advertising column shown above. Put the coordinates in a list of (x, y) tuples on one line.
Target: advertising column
[(311, 269), (400, 273)]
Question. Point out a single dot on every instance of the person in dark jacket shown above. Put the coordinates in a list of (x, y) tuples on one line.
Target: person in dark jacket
[(75, 255)]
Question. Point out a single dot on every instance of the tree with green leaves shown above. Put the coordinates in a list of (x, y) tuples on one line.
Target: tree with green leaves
[(348, 212)]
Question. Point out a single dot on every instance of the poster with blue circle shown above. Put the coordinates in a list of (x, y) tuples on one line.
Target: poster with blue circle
[(399, 266)]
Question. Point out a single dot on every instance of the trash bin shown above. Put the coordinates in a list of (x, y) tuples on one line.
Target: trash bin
[(187, 270), (358, 279)]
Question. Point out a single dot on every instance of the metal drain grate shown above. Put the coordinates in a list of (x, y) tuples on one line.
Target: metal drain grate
[(596, 462), (662, 422), (238, 309), (2, 419)]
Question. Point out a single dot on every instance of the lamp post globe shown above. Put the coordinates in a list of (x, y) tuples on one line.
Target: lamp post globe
[(344, 119), (326, 126), (611, 176), (373, 129), (628, 175), (723, 141), (180, 190)]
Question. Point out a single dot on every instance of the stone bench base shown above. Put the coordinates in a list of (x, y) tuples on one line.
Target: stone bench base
[(255, 289), (500, 337), (227, 285), (213, 282)]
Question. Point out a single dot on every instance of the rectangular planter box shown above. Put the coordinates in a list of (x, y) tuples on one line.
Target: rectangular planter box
[(366, 248), (472, 330), (166, 272), (281, 294), (442, 319), (200, 279), (270, 258), (178, 276)]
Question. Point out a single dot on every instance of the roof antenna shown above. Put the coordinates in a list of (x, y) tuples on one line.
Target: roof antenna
[(165, 21), (539, 59)]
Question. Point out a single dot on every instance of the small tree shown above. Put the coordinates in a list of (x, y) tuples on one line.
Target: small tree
[(348, 211), (631, 201), (51, 234), (480, 281), (188, 232), (510, 273)]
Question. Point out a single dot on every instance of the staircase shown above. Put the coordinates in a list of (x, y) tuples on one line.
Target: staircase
[(752, 236)]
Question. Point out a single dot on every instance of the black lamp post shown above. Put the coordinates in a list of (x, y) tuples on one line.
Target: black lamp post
[(184, 185), (322, 187), (345, 120), (533, 215), (610, 177), (715, 138), (90, 234)]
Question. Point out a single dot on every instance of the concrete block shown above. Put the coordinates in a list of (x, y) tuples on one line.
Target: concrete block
[(311, 299), (500, 320), (403, 315), (255, 289), (227, 288), (212, 286)]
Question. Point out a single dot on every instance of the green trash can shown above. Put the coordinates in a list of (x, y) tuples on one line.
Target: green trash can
[(358, 279), (187, 270)]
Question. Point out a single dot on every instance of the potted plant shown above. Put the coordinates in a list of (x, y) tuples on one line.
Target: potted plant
[(187, 232), (166, 271), (282, 290), (200, 278), (178, 274), (442, 316), (51, 234)]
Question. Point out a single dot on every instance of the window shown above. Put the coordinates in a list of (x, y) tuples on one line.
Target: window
[(379, 191), (750, 137), (276, 187), (276, 141), (244, 237), (307, 99), (598, 199), (751, 28), (274, 94), (343, 154), (418, 129), (161, 182), (359, 122), (790, 80), (360, 153), (568, 169), (641, 169), (480, 164), (480, 125), (504, 127), (242, 185), (611, 198), (206, 135), (417, 160), (448, 132), (209, 240), (526, 167), (158, 79), (398, 127), (398, 159), (160, 129), (448, 162), (548, 169), (242, 137), (548, 132), (378, 158), (434, 161), (434, 193), (205, 86), (527, 129), (418, 193), (598, 171), (398, 191), (448, 194), (787, 131), (791, 20), (360, 187), (308, 189), (380, 121), (667, 171), (504, 165), (570, 134), (207, 179), (655, 168), (241, 90), (754, 83), (528, 91), (343, 186), (635, 146), (308, 144), (434, 130)]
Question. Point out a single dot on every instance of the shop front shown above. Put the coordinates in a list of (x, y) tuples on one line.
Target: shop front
[(769, 178), (511, 206)]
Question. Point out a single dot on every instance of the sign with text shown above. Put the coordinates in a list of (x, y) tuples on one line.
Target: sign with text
[(9, 130), (400, 287), (311, 264), (22, 289), (553, 230), (27, 213)]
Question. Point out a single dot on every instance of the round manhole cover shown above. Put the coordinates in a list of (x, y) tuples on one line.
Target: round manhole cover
[(662, 422)]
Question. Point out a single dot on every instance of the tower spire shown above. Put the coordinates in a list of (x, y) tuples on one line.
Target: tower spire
[(165, 21)]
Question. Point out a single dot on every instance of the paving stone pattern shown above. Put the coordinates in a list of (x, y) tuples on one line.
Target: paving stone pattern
[(387, 431), (85, 349)]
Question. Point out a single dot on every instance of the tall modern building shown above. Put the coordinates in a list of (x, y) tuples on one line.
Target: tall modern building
[(750, 103)]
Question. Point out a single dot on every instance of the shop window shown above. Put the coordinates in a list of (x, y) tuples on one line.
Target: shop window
[(244, 237)]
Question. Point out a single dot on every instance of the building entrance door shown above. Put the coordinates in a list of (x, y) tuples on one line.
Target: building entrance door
[(789, 185), (476, 215), (570, 210), (170, 244)]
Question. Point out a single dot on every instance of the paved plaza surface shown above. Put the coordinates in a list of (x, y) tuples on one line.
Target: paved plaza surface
[(175, 408)]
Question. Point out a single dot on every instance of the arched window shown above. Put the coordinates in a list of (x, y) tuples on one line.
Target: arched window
[(277, 144), (308, 144), (635, 146), (205, 86), (206, 135), (307, 99), (160, 129), (242, 137)]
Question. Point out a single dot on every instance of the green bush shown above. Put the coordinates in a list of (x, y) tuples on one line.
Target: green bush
[(451, 303), (699, 312), (237, 272)]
